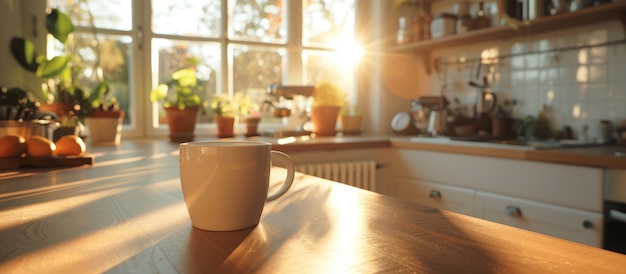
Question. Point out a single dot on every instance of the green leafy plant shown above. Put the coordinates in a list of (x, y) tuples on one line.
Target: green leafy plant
[(58, 71), (505, 109), (182, 90), (458, 112), (239, 105)]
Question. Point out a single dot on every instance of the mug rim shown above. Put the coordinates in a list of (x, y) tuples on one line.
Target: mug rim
[(225, 143)]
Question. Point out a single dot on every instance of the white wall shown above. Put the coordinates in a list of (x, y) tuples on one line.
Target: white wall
[(12, 11), (582, 86)]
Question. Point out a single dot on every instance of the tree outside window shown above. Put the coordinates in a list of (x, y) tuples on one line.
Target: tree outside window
[(245, 49)]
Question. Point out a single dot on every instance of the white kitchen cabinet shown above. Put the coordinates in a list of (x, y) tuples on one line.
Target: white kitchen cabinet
[(564, 201), (571, 224), (436, 195), (567, 185)]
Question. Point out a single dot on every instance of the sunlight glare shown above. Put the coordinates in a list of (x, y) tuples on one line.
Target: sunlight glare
[(349, 52), (576, 111), (125, 240), (286, 140), (346, 239), (582, 74)]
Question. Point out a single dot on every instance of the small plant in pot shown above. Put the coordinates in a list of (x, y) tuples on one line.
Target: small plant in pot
[(459, 121), (351, 119), (502, 122), (327, 102), (104, 120), (181, 99), (228, 110)]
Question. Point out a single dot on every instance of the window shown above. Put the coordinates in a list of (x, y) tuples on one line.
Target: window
[(242, 45)]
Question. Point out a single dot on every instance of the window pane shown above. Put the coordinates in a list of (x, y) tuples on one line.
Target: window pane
[(108, 14), (328, 66), (327, 21), (112, 56), (258, 20), (187, 17), (255, 68), (172, 55)]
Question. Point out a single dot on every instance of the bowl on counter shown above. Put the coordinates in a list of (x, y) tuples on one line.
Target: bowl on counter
[(27, 129)]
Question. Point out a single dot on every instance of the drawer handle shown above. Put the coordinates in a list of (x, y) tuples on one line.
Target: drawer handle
[(513, 211), (617, 215), (435, 194), (587, 224)]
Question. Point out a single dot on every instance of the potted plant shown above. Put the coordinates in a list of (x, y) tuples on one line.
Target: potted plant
[(181, 100), (327, 102), (459, 121), (502, 122), (105, 123), (351, 120), (60, 94), (228, 110)]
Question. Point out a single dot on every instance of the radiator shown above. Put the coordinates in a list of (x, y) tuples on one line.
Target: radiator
[(360, 174)]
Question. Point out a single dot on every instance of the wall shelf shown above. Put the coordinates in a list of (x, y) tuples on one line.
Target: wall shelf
[(586, 16)]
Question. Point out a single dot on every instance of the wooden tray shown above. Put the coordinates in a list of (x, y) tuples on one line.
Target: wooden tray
[(46, 162)]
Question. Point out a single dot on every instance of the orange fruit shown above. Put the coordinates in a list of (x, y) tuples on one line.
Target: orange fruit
[(12, 146), (70, 145), (39, 146)]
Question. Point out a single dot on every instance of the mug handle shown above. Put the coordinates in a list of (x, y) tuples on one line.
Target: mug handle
[(290, 175)]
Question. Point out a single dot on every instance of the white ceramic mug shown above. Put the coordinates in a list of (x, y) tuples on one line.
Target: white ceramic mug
[(225, 183)]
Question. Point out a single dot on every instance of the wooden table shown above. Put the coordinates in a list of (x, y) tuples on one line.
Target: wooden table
[(126, 214)]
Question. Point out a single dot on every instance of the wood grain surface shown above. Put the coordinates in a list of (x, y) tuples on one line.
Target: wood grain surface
[(125, 214)]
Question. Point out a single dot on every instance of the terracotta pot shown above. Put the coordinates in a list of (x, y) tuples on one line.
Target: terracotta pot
[(351, 124), (107, 114), (252, 125), (105, 128), (182, 123), (464, 130), (60, 109), (502, 127), (324, 119), (225, 126)]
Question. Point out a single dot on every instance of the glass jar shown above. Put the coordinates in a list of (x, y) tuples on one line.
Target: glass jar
[(403, 35)]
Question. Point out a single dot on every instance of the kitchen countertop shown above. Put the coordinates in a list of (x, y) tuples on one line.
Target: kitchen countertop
[(593, 156), (303, 144), (610, 156), (125, 213)]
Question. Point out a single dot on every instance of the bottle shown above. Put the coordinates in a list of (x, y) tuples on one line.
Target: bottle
[(463, 23), (402, 37), (481, 21), (464, 19)]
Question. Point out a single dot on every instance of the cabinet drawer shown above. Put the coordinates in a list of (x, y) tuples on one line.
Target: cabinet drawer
[(565, 223), (565, 185), (436, 195)]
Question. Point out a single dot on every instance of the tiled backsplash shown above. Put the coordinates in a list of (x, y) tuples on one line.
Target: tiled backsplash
[(579, 86)]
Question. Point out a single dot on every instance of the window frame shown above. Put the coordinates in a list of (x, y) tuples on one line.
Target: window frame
[(144, 111)]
